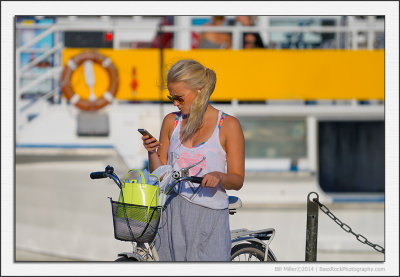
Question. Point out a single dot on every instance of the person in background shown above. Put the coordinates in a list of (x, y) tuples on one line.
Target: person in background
[(166, 39), (195, 221), (249, 39), (211, 39)]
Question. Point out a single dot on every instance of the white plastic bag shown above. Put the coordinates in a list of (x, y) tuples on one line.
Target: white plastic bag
[(164, 173)]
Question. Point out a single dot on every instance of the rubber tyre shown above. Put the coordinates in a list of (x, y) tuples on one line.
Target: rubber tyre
[(250, 252), (125, 259)]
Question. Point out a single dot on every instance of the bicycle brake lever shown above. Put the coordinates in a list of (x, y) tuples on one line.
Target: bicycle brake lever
[(193, 165), (184, 172), (181, 174)]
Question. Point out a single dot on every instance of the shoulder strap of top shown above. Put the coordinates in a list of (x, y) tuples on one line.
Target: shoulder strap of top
[(221, 120), (177, 114)]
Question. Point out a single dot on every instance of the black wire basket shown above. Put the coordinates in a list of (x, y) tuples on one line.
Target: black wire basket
[(135, 223)]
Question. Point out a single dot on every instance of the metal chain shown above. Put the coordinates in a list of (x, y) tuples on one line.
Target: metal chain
[(347, 228)]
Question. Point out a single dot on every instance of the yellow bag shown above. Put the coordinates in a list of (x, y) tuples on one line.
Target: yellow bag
[(140, 194)]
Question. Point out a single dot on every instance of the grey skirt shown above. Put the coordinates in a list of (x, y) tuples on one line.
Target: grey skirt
[(190, 232)]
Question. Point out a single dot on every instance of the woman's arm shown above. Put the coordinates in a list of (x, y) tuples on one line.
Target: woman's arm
[(158, 151), (233, 141)]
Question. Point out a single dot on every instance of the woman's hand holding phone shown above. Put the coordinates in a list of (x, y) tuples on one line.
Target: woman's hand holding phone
[(149, 142)]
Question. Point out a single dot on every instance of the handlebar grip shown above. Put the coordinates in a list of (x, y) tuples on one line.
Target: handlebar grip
[(98, 175), (196, 179)]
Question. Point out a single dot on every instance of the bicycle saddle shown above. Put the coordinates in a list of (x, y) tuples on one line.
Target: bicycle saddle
[(234, 202)]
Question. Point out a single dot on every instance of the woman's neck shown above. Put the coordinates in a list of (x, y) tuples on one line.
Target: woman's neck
[(207, 111)]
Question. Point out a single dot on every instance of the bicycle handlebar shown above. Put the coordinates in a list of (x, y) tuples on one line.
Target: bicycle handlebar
[(98, 175), (195, 179), (109, 173), (192, 179)]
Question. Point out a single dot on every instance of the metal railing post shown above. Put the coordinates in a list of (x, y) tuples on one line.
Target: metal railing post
[(312, 229)]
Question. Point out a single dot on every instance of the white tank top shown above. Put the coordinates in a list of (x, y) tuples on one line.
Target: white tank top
[(180, 156)]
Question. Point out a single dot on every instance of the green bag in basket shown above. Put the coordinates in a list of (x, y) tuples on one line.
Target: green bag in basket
[(140, 194)]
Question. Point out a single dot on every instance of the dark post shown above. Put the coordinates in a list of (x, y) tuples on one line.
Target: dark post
[(312, 229)]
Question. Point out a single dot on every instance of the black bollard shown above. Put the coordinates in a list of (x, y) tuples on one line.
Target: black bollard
[(312, 229)]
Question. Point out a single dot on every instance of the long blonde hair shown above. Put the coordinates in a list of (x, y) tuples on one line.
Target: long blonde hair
[(196, 77)]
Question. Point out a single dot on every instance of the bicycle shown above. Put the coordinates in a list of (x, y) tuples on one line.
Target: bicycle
[(247, 245)]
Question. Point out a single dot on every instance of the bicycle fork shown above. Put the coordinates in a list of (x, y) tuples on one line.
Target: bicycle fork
[(259, 237)]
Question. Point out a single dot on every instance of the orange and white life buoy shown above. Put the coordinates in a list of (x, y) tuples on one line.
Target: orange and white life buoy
[(74, 98)]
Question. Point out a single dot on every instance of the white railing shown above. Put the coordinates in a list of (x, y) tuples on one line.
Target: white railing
[(350, 32), (183, 28)]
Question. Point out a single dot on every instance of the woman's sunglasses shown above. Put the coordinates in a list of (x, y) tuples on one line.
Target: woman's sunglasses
[(178, 99)]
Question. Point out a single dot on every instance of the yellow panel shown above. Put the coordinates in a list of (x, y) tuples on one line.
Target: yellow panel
[(146, 62), (257, 74)]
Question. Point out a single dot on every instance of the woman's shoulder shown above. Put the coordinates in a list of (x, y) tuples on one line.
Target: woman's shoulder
[(230, 120), (169, 123), (229, 124), (171, 117), (230, 130)]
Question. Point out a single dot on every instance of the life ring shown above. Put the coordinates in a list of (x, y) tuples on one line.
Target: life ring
[(74, 98)]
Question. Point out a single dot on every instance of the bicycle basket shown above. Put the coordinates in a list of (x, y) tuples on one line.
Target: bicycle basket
[(135, 222), (136, 215)]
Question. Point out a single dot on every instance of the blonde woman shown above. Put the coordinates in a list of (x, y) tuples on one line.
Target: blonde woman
[(195, 223)]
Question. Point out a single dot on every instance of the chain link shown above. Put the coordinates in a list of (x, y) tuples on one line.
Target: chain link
[(347, 228)]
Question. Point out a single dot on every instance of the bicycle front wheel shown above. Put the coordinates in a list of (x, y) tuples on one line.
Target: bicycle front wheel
[(250, 252)]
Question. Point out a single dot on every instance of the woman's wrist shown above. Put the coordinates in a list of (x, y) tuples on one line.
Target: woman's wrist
[(152, 154), (154, 160), (231, 181)]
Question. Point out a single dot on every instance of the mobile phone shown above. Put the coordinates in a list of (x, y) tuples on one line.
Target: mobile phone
[(144, 132)]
